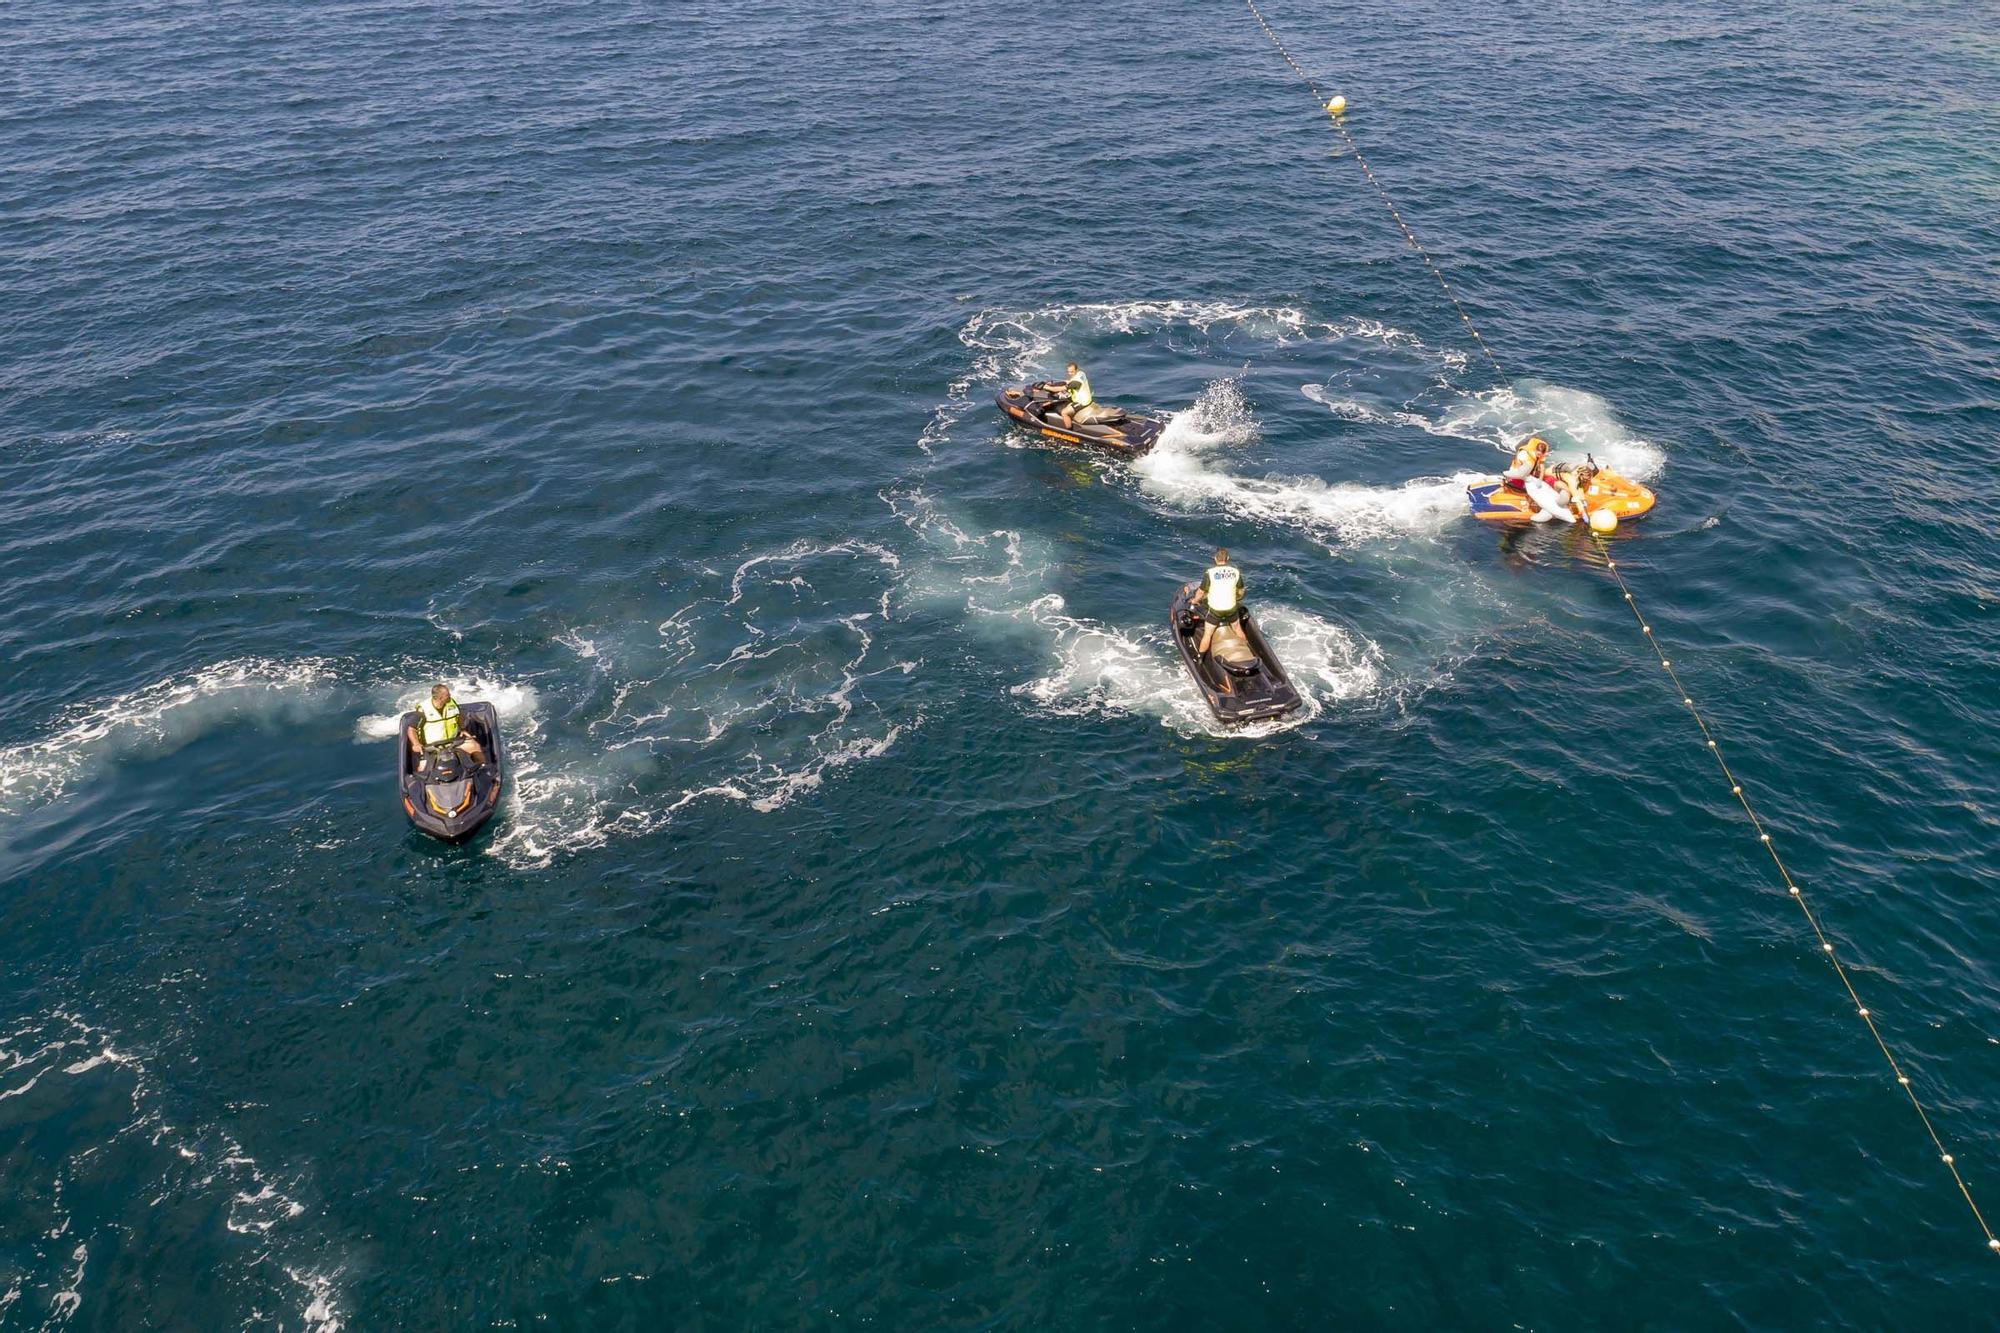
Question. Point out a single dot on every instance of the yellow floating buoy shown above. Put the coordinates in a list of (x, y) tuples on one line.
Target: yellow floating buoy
[(1336, 106), (1603, 520)]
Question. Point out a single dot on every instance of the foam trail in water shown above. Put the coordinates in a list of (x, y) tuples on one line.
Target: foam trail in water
[(1104, 670), (758, 692), (1576, 423), (1009, 346), (1000, 579), (762, 693), (1385, 377), (514, 703), (1182, 470), (530, 790), (157, 720)]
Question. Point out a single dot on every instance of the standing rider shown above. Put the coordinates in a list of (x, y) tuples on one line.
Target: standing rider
[(1220, 598), (437, 727)]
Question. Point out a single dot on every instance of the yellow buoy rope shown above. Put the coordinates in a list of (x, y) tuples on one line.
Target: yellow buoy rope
[(1798, 896), (1792, 888), (1334, 107)]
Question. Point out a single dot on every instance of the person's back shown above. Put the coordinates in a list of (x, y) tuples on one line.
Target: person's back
[(1220, 597), (1223, 587)]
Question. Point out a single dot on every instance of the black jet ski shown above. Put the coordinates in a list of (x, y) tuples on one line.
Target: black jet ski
[(446, 794), (1115, 430), (1240, 676)]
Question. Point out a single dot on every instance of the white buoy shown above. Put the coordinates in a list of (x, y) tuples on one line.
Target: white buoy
[(1603, 520)]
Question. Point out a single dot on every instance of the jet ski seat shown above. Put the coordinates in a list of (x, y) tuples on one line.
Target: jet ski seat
[(446, 763), (1235, 655)]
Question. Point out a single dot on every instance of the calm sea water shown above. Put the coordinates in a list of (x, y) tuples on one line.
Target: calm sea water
[(877, 933)]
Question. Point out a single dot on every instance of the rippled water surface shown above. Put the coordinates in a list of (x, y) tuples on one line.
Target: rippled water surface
[(877, 930)]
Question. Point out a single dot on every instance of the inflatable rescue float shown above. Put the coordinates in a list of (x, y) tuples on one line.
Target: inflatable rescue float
[(1496, 502)]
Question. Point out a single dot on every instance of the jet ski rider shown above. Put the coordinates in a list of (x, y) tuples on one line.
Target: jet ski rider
[(438, 724), (1220, 598), (1074, 392)]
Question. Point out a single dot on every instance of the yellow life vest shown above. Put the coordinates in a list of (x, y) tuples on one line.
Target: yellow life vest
[(1079, 390), (1533, 453), (1225, 585), (440, 724)]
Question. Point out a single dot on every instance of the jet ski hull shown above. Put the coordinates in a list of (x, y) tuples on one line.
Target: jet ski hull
[(1257, 695), (446, 810), (1040, 412)]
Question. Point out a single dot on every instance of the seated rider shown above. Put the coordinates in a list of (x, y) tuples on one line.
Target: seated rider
[(1529, 461), (438, 727), (1220, 598), (1078, 405)]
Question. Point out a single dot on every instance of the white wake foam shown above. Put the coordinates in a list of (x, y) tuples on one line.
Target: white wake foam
[(1184, 468), (1574, 422), (1009, 346), (515, 703), (1001, 579), (758, 692), (157, 720), (1101, 669)]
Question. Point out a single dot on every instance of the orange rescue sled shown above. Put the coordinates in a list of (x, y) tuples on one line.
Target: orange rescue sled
[(1495, 502)]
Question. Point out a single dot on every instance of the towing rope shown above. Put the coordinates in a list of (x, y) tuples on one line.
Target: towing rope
[(1333, 111)]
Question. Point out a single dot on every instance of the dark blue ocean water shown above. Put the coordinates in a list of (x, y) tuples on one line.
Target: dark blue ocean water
[(877, 934)]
